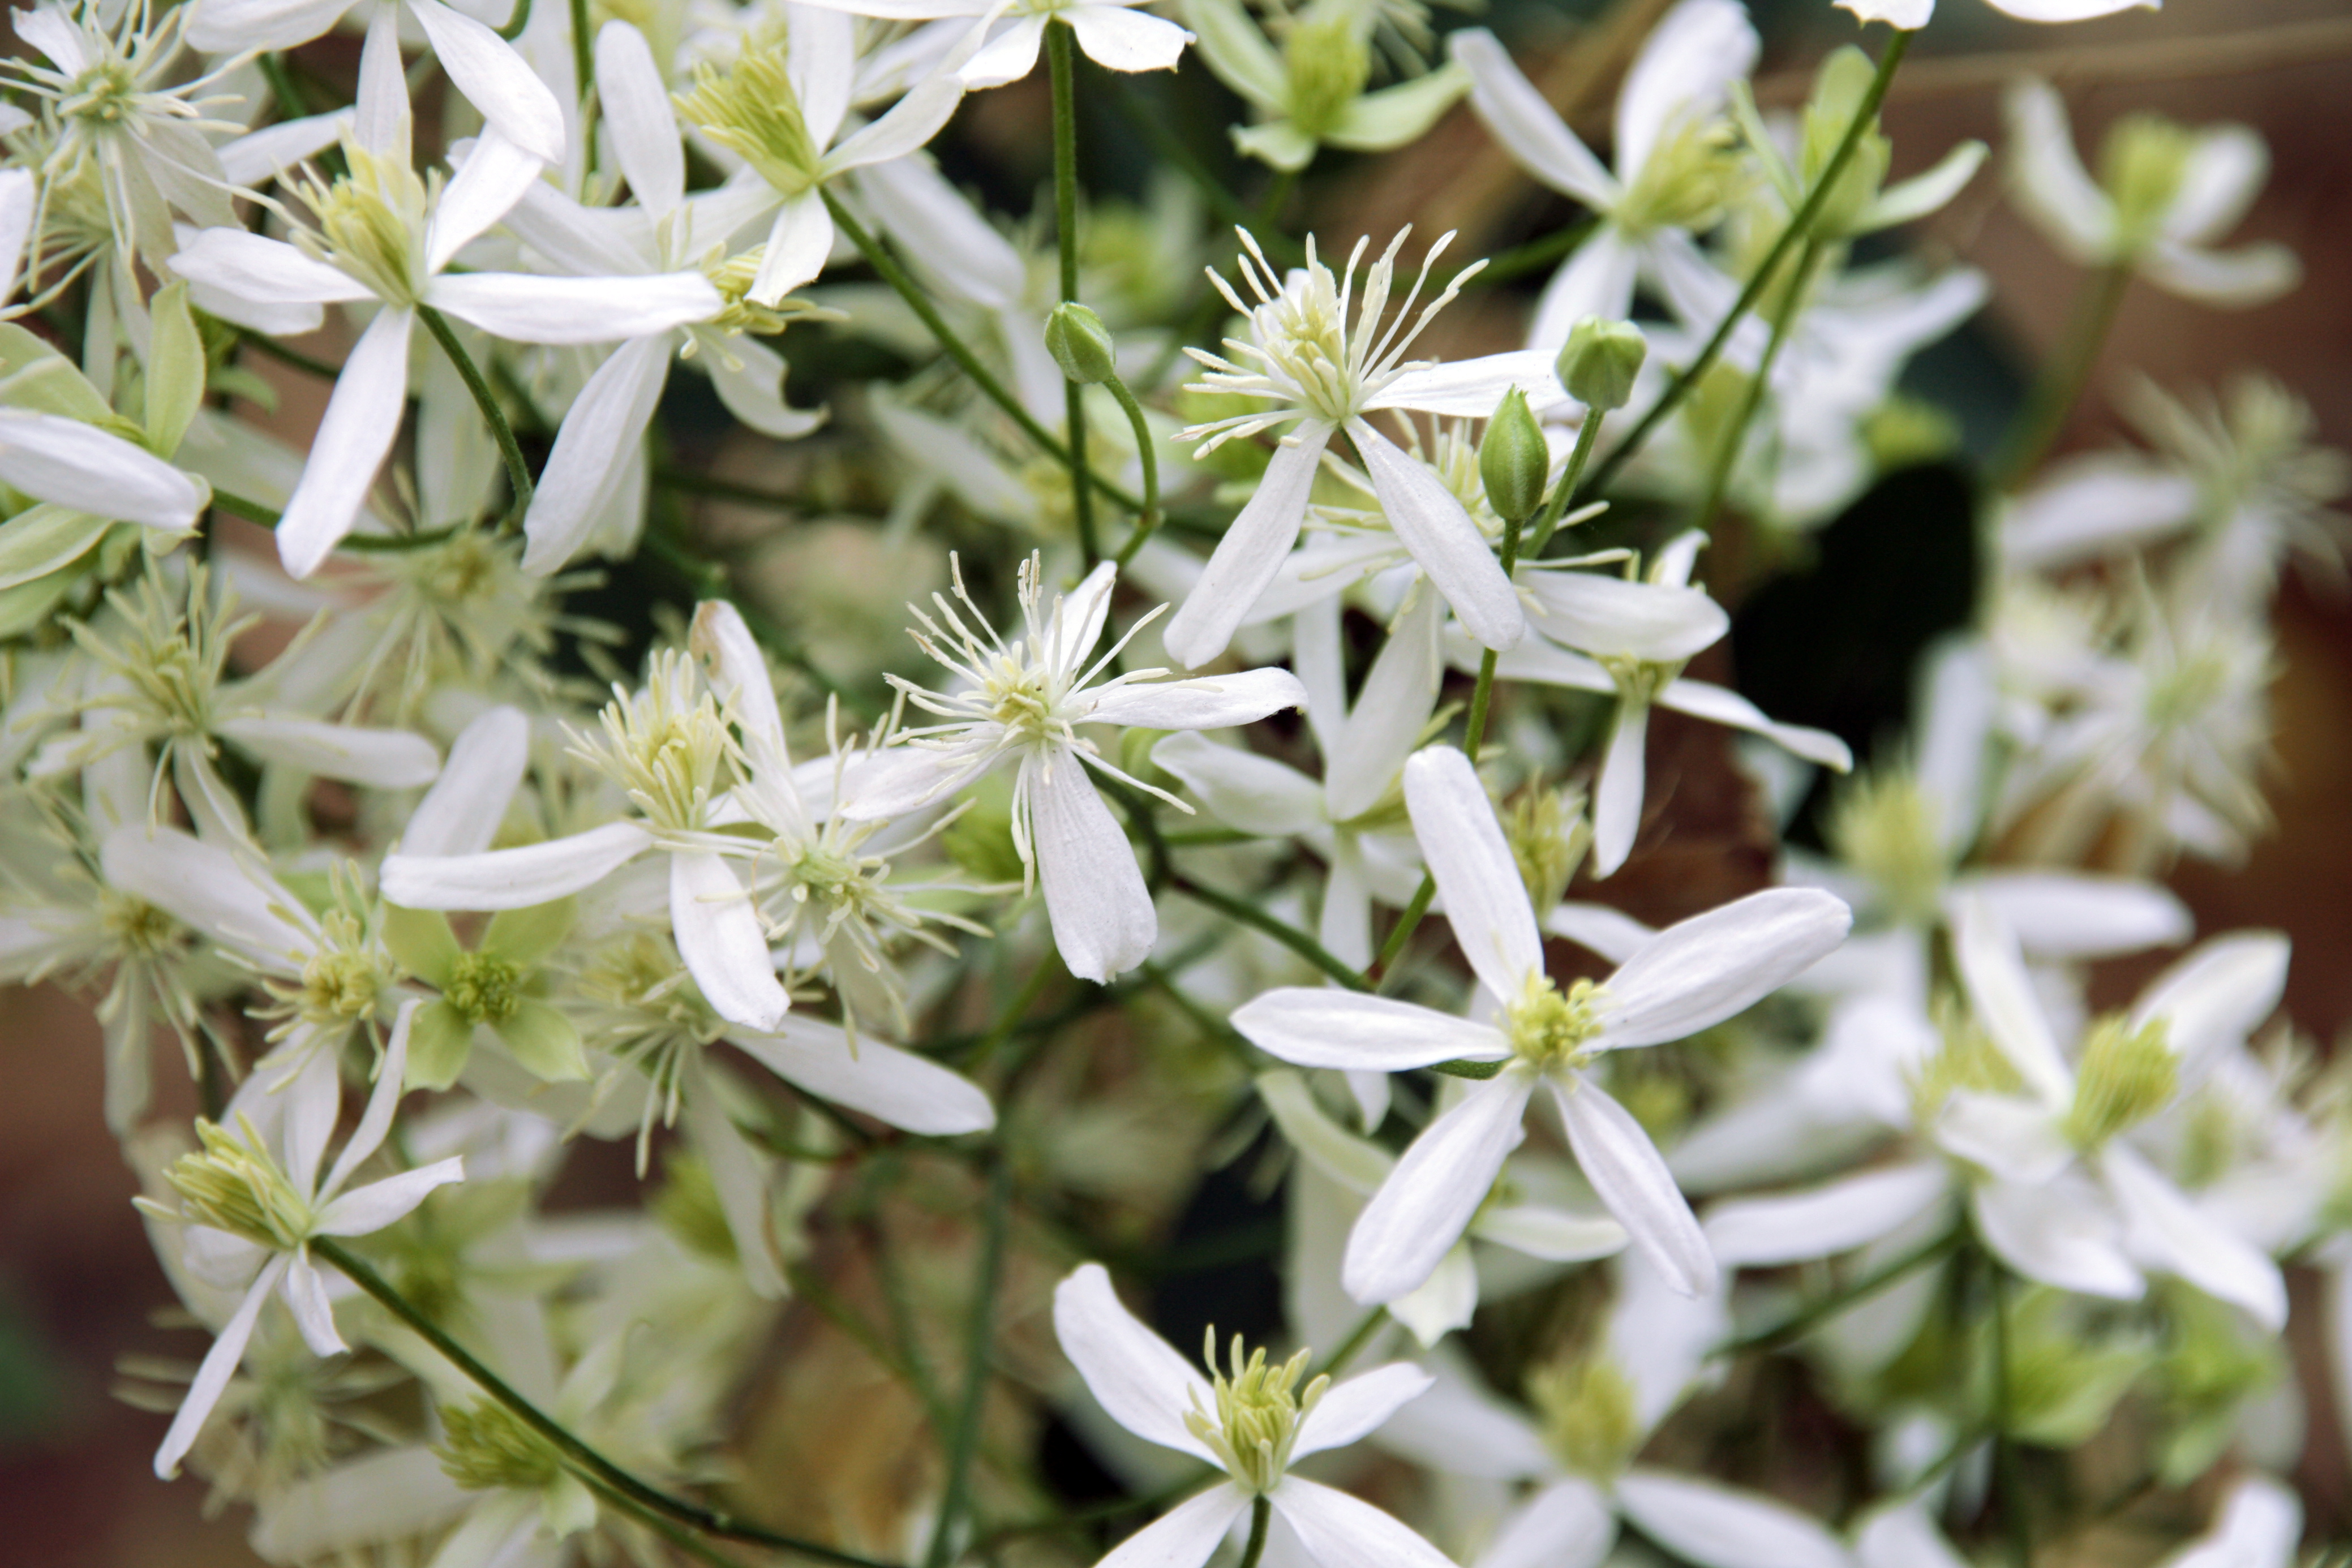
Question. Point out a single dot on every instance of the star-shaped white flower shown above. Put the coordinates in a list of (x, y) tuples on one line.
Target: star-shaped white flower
[(1253, 1421), (1691, 975)]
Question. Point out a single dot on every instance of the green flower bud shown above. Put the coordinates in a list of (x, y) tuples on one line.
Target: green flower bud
[(1600, 360), (1513, 460), (1081, 344)]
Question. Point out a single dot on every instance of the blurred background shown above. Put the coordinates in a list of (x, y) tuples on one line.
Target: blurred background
[(78, 1289)]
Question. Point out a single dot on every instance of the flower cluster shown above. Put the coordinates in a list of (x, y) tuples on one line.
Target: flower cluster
[(941, 833)]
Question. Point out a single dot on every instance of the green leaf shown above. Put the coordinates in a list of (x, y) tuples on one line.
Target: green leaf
[(421, 939), (40, 379), (524, 936), (46, 538), (175, 371), (25, 607), (544, 1042), (439, 1039)]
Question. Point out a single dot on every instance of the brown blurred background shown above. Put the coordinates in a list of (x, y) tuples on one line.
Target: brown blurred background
[(77, 1285)]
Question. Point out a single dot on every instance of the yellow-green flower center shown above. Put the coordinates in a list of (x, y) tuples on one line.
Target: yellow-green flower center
[(1684, 181), (1327, 61), (752, 108), (340, 981), (1259, 1406), (2125, 1076), (1548, 1027), (233, 1184), (1881, 825), (663, 745), (487, 1447), (372, 225), (2141, 165), (484, 987), (1587, 1416)]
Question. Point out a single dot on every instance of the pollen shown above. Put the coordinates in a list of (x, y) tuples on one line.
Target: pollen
[(1258, 1408), (1548, 1027)]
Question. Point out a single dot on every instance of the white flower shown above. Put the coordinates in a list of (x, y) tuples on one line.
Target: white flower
[(1311, 92), (1691, 975), (669, 751), (1113, 34), (78, 467), (1023, 700), (1913, 14), (1635, 638), (665, 234), (1674, 157), (2066, 1198), (1324, 373), (387, 236), (2166, 194), (253, 1199), (1253, 1421)]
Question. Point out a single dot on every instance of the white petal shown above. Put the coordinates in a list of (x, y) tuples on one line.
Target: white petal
[(227, 26), (1342, 1532), (635, 101), (381, 121), (2092, 506), (2225, 172), (1432, 526), (1241, 789), (1903, 1535), (1008, 56), (265, 270), (2047, 180), (1719, 705), (1540, 659), (1421, 1210), (491, 180), (913, 120), (889, 1084), (1927, 192), (206, 887), (2076, 914), (2016, 1140), (1834, 1217), (18, 204), (1617, 791), (1095, 897), (1598, 280), (2164, 1230), (366, 1209), (1143, 1383), (2066, 10), (1700, 971), (63, 461), (1204, 701), (495, 79), (601, 432), (2002, 995), (749, 380), (2213, 998), (516, 878), (220, 1364), (937, 228), (1718, 1527), (1684, 69), (719, 936), (1443, 1303), (1469, 389), (461, 813), (1610, 616), (1568, 1524), (383, 1100), (739, 1176), (1252, 551), (1457, 1427), (305, 1293), (1485, 902), (1124, 40), (2060, 1233), (387, 758), (1186, 1535), (2235, 280), (1525, 124), (1355, 1409), (363, 415), (1630, 1177), (1400, 692), (1611, 932), (2260, 1526), (1356, 1163), (1554, 1235), (799, 240), (529, 309), (1327, 1026)]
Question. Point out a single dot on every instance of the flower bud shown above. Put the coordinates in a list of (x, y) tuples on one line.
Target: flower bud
[(1081, 344), (1600, 360), (1513, 460)]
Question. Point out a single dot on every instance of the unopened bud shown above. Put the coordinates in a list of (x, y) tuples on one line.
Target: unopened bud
[(1600, 360), (1081, 344), (1513, 460)]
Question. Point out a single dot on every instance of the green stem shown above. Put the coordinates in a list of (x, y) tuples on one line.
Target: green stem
[(1735, 435), (517, 471), (1065, 239), (1548, 521), (965, 1440), (284, 355), (517, 21), (1799, 225), (2063, 377), (583, 64), (2007, 1483), (1261, 1515), (891, 273), (238, 506), (1289, 935), (1797, 1325), (682, 1539), (1277, 198), (1401, 932), (1143, 449), (1350, 1348), (1473, 733), (591, 1462)]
